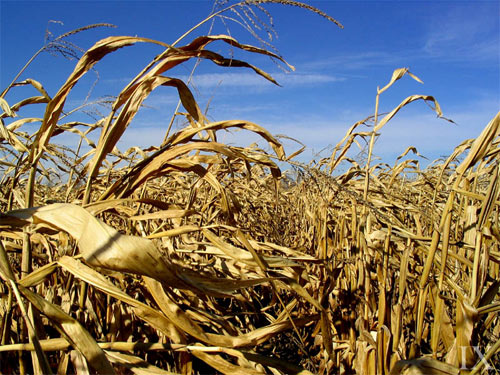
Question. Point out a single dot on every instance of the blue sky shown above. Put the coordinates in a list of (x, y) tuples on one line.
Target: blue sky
[(453, 46)]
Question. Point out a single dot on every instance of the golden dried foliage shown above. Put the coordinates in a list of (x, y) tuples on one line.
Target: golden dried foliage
[(201, 257)]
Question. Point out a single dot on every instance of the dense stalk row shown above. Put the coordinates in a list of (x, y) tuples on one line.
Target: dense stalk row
[(197, 257)]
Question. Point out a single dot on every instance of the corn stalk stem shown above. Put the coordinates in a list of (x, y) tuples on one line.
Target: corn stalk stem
[(370, 149)]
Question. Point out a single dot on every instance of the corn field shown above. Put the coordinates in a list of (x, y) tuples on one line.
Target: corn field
[(198, 257)]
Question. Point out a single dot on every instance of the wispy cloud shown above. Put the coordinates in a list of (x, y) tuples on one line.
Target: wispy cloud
[(250, 79), (160, 99), (433, 137), (358, 61), (142, 135), (246, 79), (464, 33)]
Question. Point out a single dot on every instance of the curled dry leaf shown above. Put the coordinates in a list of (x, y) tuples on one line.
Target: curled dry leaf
[(103, 246)]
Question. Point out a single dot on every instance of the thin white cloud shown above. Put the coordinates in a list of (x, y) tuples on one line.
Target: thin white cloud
[(433, 137), (141, 136), (156, 99), (462, 33), (250, 79), (358, 61), (465, 32)]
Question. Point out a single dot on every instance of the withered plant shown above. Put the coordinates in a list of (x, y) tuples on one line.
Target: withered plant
[(196, 257)]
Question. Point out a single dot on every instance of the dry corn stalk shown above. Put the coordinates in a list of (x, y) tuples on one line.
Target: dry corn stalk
[(202, 256)]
